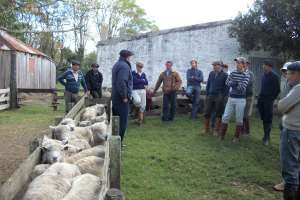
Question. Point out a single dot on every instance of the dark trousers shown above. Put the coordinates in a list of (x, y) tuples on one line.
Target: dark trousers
[(194, 94), (121, 109), (169, 106), (214, 104), (96, 93), (265, 109), (70, 100)]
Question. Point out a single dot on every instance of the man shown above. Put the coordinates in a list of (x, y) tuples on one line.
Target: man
[(171, 83), (215, 94), (237, 81), (71, 79), (194, 77), (140, 83), (249, 99), (94, 81), (122, 89), (270, 89), (289, 106)]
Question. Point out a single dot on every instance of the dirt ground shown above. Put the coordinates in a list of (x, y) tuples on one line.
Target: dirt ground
[(18, 128)]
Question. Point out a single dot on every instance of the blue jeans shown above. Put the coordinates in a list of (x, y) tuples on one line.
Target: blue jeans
[(169, 106), (289, 156), (121, 109), (194, 93), (234, 106)]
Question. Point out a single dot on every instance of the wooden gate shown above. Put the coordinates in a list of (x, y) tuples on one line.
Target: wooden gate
[(4, 98)]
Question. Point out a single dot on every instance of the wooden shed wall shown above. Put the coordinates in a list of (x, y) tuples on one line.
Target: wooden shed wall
[(5, 63), (35, 72)]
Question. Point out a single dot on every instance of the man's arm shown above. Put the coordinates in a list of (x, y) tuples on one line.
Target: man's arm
[(188, 75), (158, 83), (242, 85), (83, 83), (62, 78), (208, 83), (146, 80), (101, 78), (87, 81), (178, 81), (122, 79), (199, 77), (288, 102)]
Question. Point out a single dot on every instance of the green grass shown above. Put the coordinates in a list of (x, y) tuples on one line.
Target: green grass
[(173, 161)]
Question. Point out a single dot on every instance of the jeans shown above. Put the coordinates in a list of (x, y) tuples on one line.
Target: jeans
[(194, 93), (169, 106), (121, 109), (234, 106), (289, 156)]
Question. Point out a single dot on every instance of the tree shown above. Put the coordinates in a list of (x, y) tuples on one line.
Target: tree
[(272, 25), (88, 60)]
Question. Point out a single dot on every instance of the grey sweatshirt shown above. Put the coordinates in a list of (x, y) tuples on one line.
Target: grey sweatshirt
[(289, 106)]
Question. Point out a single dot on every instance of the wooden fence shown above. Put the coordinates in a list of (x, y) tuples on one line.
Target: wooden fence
[(4, 98)]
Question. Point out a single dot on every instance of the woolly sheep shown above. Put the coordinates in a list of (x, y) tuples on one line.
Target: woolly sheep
[(84, 187), (52, 151), (90, 113), (99, 131), (91, 164), (68, 121), (61, 132), (38, 170), (98, 151)]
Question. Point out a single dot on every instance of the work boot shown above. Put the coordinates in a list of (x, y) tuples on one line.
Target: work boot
[(246, 126), (290, 192), (140, 118), (217, 127), (223, 131), (238, 130), (206, 126), (267, 130)]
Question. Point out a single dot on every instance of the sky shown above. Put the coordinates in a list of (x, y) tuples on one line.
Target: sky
[(177, 13)]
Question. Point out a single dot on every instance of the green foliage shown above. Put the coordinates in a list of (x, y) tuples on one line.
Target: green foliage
[(88, 60), (172, 161), (271, 25)]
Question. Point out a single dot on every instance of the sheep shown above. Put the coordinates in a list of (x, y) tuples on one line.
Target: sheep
[(61, 131), (68, 121), (99, 131), (91, 164), (85, 123), (90, 113), (38, 170), (98, 151), (53, 184), (52, 151), (84, 187)]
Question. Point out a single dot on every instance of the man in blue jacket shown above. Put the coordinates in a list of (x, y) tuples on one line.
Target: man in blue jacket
[(71, 79), (122, 89), (194, 77)]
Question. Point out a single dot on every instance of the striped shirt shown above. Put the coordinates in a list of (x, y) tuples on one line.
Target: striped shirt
[(238, 82)]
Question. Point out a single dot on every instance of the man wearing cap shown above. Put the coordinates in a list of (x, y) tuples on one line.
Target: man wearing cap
[(289, 106), (171, 83), (249, 99), (237, 81), (94, 81), (194, 77), (71, 79), (215, 94), (122, 89), (270, 89)]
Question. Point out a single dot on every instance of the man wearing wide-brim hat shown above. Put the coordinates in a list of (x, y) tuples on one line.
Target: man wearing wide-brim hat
[(72, 79), (289, 106)]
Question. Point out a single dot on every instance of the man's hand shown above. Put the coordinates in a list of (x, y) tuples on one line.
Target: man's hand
[(88, 92), (125, 100)]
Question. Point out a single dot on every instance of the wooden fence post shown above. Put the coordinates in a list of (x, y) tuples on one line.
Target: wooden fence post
[(115, 161), (13, 81), (115, 125), (114, 194)]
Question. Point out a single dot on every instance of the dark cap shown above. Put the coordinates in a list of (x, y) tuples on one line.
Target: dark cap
[(217, 63), (295, 66), (75, 62), (126, 53), (268, 63), (240, 59), (95, 65), (169, 62)]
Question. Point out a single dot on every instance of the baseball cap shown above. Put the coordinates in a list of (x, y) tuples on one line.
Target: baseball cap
[(240, 59)]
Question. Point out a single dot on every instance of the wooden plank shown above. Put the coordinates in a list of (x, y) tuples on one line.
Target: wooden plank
[(105, 184), (115, 161), (115, 125), (114, 194), (20, 177), (2, 91), (80, 104), (4, 106), (13, 82)]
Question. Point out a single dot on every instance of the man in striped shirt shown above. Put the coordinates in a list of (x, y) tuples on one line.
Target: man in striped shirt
[(237, 81)]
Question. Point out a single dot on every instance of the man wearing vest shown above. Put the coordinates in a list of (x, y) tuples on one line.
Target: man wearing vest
[(94, 81), (171, 83), (71, 79)]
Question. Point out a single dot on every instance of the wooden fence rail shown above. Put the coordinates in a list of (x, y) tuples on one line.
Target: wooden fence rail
[(4, 98)]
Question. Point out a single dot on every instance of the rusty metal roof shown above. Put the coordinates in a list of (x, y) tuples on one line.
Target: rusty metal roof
[(8, 42)]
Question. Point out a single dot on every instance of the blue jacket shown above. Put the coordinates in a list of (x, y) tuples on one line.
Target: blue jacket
[(270, 86), (194, 77), (71, 85), (139, 81), (216, 84), (121, 81)]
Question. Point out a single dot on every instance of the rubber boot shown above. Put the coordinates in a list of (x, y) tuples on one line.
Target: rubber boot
[(223, 131), (206, 126), (267, 130), (217, 127), (290, 192), (238, 131)]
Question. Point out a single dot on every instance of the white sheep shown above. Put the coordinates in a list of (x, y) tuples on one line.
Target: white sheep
[(38, 170), (84, 187), (90, 113), (99, 131), (52, 150), (91, 164), (61, 132), (53, 184), (68, 121), (98, 151)]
